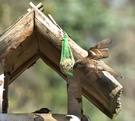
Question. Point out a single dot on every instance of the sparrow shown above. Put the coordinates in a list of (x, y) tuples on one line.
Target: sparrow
[(42, 110), (93, 60)]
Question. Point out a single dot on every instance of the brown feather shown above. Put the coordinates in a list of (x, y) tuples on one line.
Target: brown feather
[(100, 50), (102, 44)]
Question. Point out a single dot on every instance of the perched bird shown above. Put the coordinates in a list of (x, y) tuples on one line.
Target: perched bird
[(42, 110), (93, 62)]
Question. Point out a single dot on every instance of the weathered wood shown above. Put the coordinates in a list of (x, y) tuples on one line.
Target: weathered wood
[(74, 94), (37, 117), (105, 89), (39, 6), (16, 34), (22, 57), (5, 93)]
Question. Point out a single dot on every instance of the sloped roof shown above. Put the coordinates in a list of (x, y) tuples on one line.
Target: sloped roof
[(36, 36)]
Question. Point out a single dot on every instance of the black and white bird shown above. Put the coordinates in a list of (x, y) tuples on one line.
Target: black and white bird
[(42, 110)]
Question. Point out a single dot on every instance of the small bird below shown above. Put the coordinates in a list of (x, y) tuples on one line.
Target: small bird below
[(42, 110)]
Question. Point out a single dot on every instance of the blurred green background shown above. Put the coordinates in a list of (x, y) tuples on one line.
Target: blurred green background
[(87, 22)]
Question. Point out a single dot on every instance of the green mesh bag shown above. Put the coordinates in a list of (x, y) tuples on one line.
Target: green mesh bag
[(67, 59)]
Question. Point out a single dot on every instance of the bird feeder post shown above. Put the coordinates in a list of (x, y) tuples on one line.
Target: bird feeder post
[(4, 82), (5, 93), (74, 95), (7, 75)]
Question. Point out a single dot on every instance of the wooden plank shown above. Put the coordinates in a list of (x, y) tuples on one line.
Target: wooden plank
[(101, 93), (39, 6), (5, 93), (74, 94), (16, 34), (47, 48), (22, 57)]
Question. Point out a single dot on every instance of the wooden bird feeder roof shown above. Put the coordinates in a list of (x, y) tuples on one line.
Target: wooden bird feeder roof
[(35, 36)]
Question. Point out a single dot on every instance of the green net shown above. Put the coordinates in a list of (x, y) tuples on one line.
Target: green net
[(67, 59)]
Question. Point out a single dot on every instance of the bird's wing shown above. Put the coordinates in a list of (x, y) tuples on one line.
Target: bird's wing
[(100, 50)]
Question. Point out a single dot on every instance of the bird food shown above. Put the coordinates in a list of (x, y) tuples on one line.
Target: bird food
[(67, 59)]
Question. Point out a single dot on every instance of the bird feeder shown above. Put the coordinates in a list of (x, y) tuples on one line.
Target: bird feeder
[(36, 35)]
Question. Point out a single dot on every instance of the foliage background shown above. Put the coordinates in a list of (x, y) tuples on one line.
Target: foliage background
[(87, 22)]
